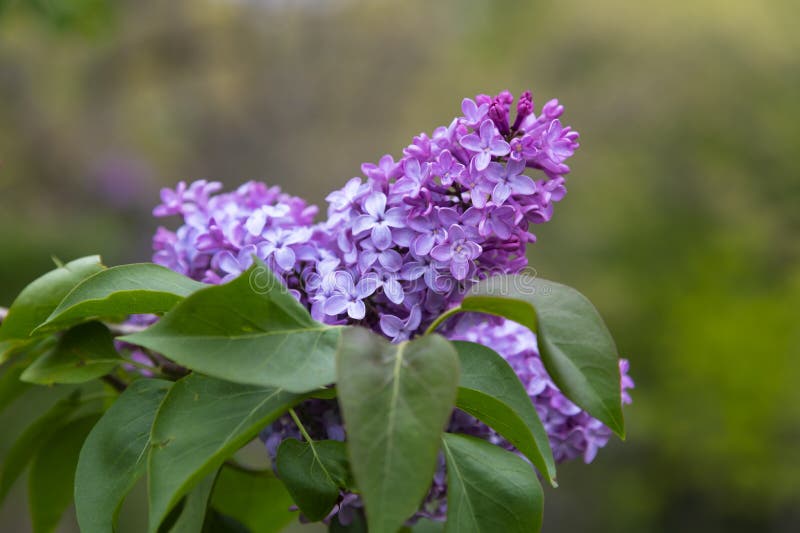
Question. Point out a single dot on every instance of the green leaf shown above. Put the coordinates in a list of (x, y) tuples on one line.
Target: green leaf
[(256, 499), (249, 331), (313, 472), (82, 354), (11, 387), (489, 488), (114, 455), (396, 400), (201, 422), (193, 514), (26, 446), (52, 474), (491, 391), (518, 311), (119, 291), (575, 345), (36, 301), (427, 526), (217, 522)]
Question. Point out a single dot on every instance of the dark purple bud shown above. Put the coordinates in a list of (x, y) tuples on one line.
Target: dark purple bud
[(524, 108)]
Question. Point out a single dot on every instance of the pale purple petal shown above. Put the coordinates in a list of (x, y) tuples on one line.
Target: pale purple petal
[(448, 216), (482, 160), (394, 291), (335, 305), (391, 260), (362, 224), (459, 269), (375, 204), (499, 147), (395, 217), (523, 185), (441, 252), (471, 142), (228, 263), (423, 243), (356, 310), (366, 286), (501, 192), (256, 222), (284, 257), (391, 325), (381, 236)]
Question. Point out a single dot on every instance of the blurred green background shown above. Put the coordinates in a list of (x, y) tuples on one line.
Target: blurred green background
[(682, 222)]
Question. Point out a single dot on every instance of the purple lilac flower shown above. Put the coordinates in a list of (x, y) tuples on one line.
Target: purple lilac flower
[(349, 296), (457, 250), (507, 179), (487, 144), (399, 248), (378, 220)]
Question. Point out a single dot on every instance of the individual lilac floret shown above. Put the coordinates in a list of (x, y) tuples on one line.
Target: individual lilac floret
[(398, 329), (378, 220), (505, 180), (458, 251), (489, 143), (349, 296)]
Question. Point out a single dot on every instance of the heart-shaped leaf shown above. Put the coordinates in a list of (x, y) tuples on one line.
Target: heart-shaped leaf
[(119, 291), (396, 400), (52, 473), (313, 472), (114, 455), (249, 331), (489, 489), (575, 345), (82, 354), (201, 422), (36, 301), (491, 392)]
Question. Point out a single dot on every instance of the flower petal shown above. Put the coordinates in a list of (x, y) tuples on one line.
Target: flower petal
[(335, 305), (356, 310), (442, 252), (362, 223), (394, 291), (381, 236), (375, 204)]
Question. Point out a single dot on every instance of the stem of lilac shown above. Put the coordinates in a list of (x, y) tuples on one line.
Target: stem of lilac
[(441, 318), (116, 383)]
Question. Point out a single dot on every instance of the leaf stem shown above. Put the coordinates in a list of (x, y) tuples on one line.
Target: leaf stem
[(301, 427), (441, 318)]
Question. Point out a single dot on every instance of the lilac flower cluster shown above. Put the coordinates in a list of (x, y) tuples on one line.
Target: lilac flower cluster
[(407, 241), (399, 247)]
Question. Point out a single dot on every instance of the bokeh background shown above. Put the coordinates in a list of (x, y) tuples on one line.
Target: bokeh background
[(682, 221)]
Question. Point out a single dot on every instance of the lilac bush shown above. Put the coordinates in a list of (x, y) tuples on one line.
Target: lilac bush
[(401, 245)]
